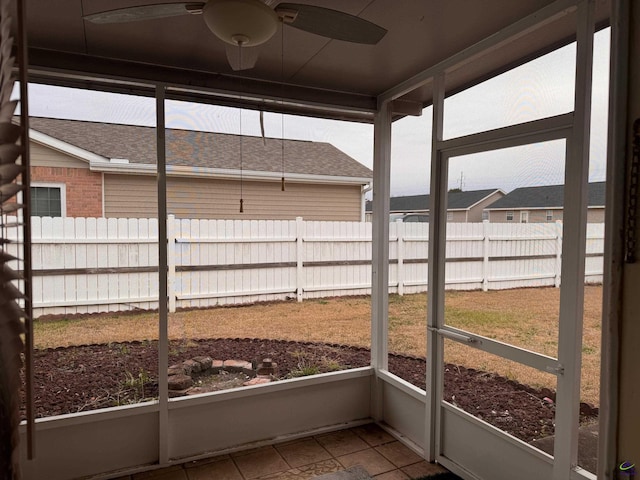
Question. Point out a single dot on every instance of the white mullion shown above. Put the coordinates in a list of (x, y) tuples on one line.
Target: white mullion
[(500, 144), (506, 142), (543, 130), (435, 309), (163, 314), (573, 253), (380, 252)]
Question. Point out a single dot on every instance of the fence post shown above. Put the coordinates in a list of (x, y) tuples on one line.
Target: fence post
[(299, 257), (558, 253), (400, 256), (485, 255), (171, 262)]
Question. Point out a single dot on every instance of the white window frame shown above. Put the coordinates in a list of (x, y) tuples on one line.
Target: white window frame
[(449, 216), (509, 214), (524, 216), (63, 193), (549, 215), (485, 215)]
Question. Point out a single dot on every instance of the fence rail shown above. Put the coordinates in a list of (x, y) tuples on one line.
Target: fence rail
[(86, 265)]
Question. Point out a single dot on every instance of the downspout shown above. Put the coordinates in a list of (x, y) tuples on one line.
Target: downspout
[(103, 200), (364, 189)]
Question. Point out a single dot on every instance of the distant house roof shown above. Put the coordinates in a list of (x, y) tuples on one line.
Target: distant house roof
[(455, 201), (189, 148), (549, 196)]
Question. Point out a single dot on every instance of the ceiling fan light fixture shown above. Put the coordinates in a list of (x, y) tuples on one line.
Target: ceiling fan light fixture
[(250, 21)]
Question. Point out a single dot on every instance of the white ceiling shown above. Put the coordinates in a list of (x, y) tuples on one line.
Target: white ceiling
[(182, 51)]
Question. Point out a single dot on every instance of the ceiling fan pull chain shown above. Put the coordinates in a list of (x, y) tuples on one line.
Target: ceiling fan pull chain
[(241, 200), (632, 200), (282, 96)]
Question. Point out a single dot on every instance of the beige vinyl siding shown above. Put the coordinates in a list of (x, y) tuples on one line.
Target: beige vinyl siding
[(475, 213), (457, 216), (130, 196), (135, 196), (500, 216), (594, 215), (42, 156), (535, 216), (540, 216)]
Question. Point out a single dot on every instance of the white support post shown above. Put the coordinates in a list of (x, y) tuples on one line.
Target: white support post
[(171, 262), (380, 253), (299, 258), (436, 275), (623, 14), (163, 320), (485, 255), (573, 255), (558, 269), (400, 249)]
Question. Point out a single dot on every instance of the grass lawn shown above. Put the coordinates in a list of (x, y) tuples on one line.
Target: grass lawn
[(527, 318)]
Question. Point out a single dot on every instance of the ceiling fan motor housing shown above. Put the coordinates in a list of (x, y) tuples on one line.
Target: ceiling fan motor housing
[(240, 22)]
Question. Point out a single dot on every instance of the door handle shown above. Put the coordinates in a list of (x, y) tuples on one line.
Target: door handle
[(455, 336)]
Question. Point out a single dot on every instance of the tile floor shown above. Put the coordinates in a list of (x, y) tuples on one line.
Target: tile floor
[(368, 446)]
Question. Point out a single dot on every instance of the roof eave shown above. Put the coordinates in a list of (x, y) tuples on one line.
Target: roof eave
[(224, 173), (497, 190), (64, 147)]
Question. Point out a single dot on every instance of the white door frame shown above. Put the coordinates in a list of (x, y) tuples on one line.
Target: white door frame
[(450, 422)]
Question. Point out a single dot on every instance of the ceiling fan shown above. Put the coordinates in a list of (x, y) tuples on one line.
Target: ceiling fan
[(244, 24)]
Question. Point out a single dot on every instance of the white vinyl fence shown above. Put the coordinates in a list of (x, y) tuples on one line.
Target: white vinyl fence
[(86, 265)]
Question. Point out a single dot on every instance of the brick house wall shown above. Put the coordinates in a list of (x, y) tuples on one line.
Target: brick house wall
[(83, 188)]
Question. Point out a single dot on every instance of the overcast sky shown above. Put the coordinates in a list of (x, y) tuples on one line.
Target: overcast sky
[(538, 89)]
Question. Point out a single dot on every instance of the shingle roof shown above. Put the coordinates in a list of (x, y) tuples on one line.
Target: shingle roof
[(548, 196), (455, 201), (464, 200), (203, 149)]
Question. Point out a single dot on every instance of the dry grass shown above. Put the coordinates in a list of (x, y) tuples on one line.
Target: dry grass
[(345, 320), (525, 317)]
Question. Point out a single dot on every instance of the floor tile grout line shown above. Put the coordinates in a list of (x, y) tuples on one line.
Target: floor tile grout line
[(233, 460), (373, 446), (331, 456)]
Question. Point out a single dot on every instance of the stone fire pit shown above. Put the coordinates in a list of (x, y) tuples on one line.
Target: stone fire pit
[(203, 374)]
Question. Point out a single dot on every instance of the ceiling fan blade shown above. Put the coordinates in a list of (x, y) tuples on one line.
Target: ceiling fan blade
[(330, 23), (241, 58), (145, 12)]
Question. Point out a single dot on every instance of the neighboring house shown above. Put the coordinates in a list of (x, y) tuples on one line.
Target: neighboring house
[(89, 169), (462, 206), (543, 204)]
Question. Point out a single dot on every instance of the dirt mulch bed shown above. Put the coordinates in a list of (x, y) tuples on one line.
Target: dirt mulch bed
[(75, 379)]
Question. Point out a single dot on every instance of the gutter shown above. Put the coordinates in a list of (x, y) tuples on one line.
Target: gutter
[(363, 206), (121, 166)]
